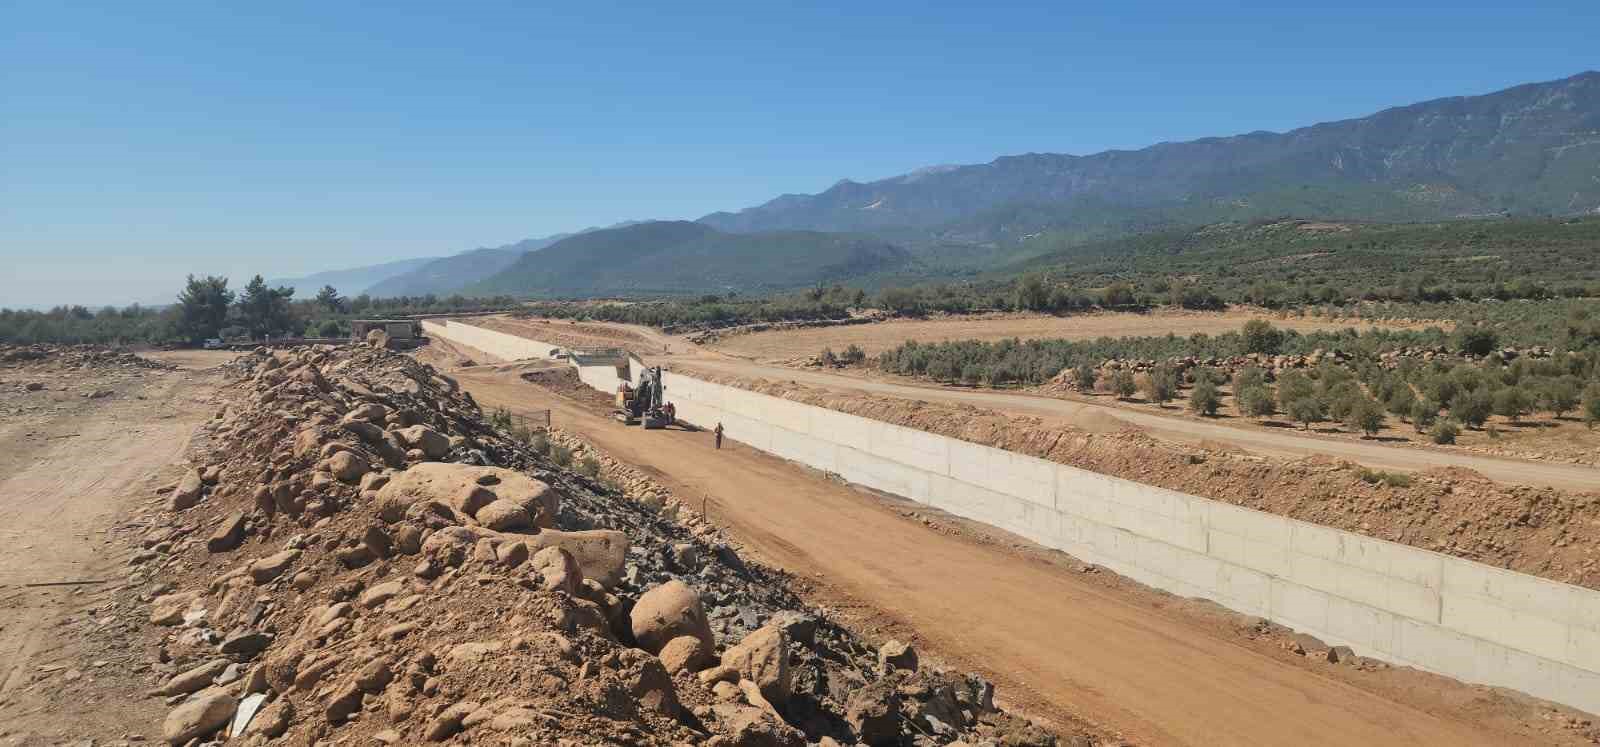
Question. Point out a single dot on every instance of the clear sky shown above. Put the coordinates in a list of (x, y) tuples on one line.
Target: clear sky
[(141, 141)]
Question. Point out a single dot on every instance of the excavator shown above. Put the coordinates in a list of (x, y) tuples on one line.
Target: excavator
[(647, 404)]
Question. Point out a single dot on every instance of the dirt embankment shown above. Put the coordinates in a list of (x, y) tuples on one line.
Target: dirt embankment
[(573, 334), (1539, 531), (361, 557)]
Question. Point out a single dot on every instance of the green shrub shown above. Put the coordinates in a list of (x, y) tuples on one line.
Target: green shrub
[(1392, 479), (540, 443), (1476, 340), (1294, 386), (589, 467), (1261, 337), (1472, 408), (1204, 399), (1084, 375), (1444, 432), (1511, 402), (561, 455), (1591, 405), (1256, 401), (1161, 384), (1559, 395), (1423, 414), (1401, 400), (1305, 411), (1365, 415), (1122, 382)]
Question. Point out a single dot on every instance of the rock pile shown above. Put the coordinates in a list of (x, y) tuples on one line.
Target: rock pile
[(363, 558), (76, 356)]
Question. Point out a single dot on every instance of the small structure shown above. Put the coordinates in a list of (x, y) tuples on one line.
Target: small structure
[(400, 330)]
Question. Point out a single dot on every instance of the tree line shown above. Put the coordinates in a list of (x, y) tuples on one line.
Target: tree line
[(208, 308)]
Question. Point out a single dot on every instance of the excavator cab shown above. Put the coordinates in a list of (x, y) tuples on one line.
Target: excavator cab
[(648, 404)]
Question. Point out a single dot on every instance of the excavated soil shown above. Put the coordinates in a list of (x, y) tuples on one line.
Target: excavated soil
[(1540, 531)]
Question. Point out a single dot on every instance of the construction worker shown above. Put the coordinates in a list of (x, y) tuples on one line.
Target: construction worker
[(718, 434)]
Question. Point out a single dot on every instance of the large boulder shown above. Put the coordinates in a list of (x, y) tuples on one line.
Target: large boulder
[(432, 444), (187, 492), (748, 726), (467, 489), (198, 716), (601, 553), (268, 568), (558, 570), (685, 653), (228, 534), (873, 713), (370, 412), (896, 655), (503, 516), (194, 679), (763, 658), (666, 612), (347, 467)]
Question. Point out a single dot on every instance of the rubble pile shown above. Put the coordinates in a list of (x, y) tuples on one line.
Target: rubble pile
[(360, 556), (70, 357), (1540, 531)]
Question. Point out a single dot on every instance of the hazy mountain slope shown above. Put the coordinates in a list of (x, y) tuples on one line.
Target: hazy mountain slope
[(681, 256), (447, 275), (350, 282), (1533, 148)]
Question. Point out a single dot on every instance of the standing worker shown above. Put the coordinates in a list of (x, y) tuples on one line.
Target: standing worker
[(718, 434)]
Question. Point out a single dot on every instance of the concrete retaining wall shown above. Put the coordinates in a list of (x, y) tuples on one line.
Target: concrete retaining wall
[(506, 346), (1386, 600)]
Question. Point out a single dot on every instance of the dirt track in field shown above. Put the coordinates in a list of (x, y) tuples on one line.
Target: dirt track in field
[(782, 345), (1158, 669)]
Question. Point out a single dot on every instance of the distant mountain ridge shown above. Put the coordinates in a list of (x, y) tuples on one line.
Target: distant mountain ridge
[(683, 256), (1528, 150), (350, 281), (1533, 148)]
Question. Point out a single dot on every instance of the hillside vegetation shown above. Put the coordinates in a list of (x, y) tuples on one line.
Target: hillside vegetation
[(1289, 262), (1530, 149), (681, 257)]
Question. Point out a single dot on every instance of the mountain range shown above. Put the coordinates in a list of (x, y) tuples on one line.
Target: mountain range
[(424, 275), (1529, 150)]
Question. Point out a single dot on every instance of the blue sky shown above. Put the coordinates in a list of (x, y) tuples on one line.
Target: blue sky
[(143, 141)]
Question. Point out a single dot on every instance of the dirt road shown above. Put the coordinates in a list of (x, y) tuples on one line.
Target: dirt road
[(787, 344), (1052, 638), (70, 467), (1287, 444)]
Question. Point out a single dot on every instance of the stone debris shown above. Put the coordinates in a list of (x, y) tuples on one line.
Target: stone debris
[(360, 556)]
